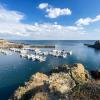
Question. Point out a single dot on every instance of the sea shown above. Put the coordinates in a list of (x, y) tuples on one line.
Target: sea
[(15, 71)]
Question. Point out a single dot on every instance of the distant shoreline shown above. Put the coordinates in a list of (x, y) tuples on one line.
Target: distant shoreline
[(8, 44)]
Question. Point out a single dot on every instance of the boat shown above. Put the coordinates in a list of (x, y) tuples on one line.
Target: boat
[(42, 59), (23, 55), (5, 52), (64, 55), (23, 51), (29, 56), (33, 58), (69, 53), (45, 53)]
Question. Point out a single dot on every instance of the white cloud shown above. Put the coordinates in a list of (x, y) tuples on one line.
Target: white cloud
[(52, 12), (10, 16), (12, 27), (56, 12), (43, 5), (10, 23), (87, 21)]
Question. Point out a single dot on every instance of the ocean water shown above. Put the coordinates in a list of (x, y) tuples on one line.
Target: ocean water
[(14, 71)]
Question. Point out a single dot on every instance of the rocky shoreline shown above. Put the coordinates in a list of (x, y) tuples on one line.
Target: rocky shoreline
[(8, 44), (96, 45), (66, 82)]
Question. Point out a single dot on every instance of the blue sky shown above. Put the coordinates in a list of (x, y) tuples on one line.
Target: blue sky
[(50, 19)]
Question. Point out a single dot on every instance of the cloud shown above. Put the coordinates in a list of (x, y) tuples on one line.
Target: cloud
[(10, 23), (43, 5), (87, 21), (12, 27), (56, 12), (52, 12)]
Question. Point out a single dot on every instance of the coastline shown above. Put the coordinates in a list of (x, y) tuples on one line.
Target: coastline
[(7, 44)]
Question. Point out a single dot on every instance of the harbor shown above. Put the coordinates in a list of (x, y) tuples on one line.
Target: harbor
[(36, 53)]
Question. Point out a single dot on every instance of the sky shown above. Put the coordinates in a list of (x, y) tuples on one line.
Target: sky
[(50, 19)]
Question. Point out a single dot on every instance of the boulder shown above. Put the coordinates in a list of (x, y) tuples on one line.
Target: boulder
[(79, 74), (40, 96), (61, 82)]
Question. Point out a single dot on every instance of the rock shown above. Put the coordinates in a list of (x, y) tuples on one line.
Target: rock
[(61, 82), (62, 68), (40, 96), (79, 73), (36, 81), (87, 91), (96, 45), (67, 83)]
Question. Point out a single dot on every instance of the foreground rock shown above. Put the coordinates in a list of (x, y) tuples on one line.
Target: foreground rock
[(67, 82), (61, 82), (79, 74), (35, 82)]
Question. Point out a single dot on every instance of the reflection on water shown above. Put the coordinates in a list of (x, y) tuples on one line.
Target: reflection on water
[(14, 71)]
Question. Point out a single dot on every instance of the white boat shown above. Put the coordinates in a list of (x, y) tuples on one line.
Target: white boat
[(60, 53), (37, 51), (23, 55), (70, 52), (45, 53), (33, 57), (64, 55), (42, 59), (5, 52), (29, 56), (23, 51)]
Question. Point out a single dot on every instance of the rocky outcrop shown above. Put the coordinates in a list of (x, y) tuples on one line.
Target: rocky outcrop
[(96, 45), (67, 82), (61, 82), (35, 82), (40, 96), (79, 73), (7, 44)]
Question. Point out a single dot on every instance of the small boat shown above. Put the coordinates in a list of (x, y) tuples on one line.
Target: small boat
[(69, 53), (45, 53), (23, 51), (33, 57), (37, 51), (29, 56), (42, 59), (23, 55), (64, 55), (5, 52)]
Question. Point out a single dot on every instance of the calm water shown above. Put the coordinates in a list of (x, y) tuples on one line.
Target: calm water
[(14, 71)]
